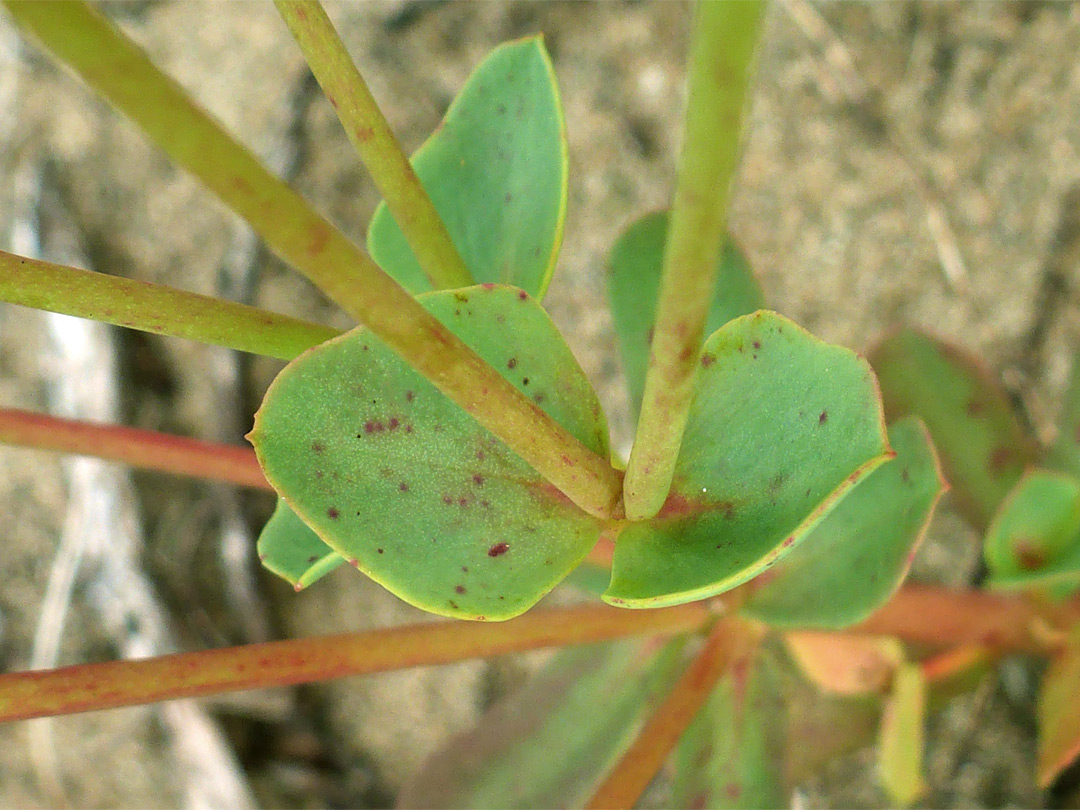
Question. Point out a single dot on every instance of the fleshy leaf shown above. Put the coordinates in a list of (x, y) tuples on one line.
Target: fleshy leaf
[(1065, 452), (412, 490), (845, 664), (1059, 713), (781, 427), (496, 170), (549, 743), (983, 448), (730, 756), (900, 750), (856, 558), (1034, 540), (634, 285), (288, 548)]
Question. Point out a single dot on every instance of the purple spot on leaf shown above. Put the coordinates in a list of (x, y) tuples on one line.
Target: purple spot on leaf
[(498, 549)]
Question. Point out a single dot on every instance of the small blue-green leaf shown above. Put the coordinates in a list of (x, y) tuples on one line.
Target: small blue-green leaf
[(856, 558), (290, 549), (496, 170)]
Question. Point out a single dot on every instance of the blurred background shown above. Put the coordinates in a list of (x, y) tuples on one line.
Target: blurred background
[(905, 163)]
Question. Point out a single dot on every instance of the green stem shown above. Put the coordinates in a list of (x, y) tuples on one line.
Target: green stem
[(145, 449), (87, 687), (373, 139), (150, 308), (725, 34), (116, 68)]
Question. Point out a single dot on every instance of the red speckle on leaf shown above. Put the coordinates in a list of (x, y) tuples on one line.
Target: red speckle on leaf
[(823, 417), (538, 398), (567, 460), (465, 569), (409, 395), (364, 134), (733, 791), (393, 423), (486, 504), (1000, 458), (379, 550), (488, 286), (369, 427), (479, 455), (707, 359), (757, 344), (522, 295), (453, 604), (478, 479), (498, 549), (463, 502), (447, 500), (787, 542), (408, 428), (316, 447), (403, 487), (298, 587), (1030, 555), (459, 589), (511, 363), (332, 513), (355, 563)]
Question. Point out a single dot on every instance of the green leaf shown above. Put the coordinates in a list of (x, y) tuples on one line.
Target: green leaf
[(730, 756), (409, 487), (548, 744), (290, 549), (496, 170), (983, 448), (781, 427), (856, 558), (634, 285), (1059, 713), (1034, 540), (900, 745)]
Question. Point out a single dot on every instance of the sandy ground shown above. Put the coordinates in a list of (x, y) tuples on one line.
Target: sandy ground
[(905, 162)]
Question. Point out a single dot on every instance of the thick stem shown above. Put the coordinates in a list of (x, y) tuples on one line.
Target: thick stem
[(112, 65), (374, 141), (725, 35), (930, 615), (155, 309), (144, 449), (729, 642), (88, 687)]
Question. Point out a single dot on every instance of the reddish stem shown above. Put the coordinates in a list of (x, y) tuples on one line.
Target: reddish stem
[(729, 643), (145, 449), (88, 687)]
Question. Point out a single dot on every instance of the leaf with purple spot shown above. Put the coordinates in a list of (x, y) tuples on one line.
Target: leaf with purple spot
[(411, 489), (782, 426), (1033, 543)]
